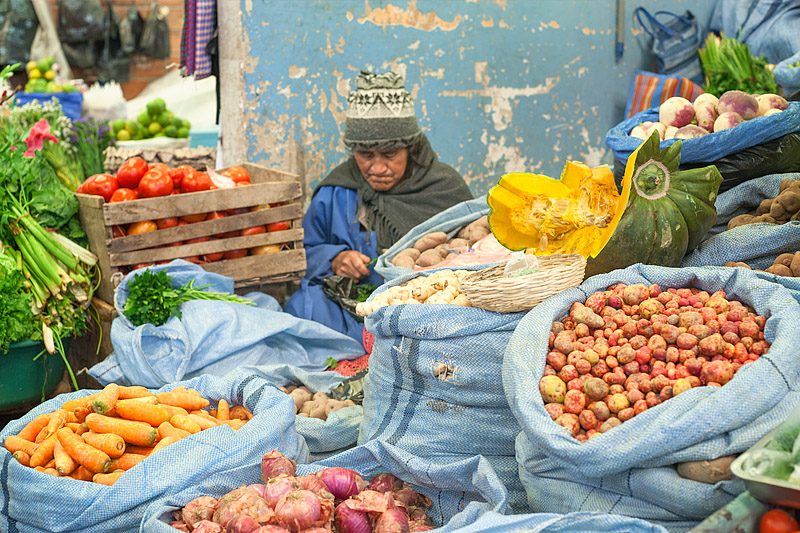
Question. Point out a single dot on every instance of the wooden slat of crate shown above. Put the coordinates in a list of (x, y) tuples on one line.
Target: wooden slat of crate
[(260, 266)]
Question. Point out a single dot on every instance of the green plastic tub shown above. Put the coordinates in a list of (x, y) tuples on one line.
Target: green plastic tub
[(22, 380)]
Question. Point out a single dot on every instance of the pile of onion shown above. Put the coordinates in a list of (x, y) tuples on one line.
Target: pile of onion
[(333, 499)]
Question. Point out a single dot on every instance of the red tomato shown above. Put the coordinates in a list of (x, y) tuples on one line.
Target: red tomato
[(235, 254), (159, 165), (237, 211), (777, 521), (276, 204), (242, 183), (187, 169), (255, 230), (124, 195), (265, 249), (283, 225), (82, 187), (196, 240), (193, 259), (177, 177), (237, 174), (214, 256), (197, 217), (169, 222), (156, 182), (143, 226), (117, 231), (196, 182), (102, 185), (131, 172), (216, 215)]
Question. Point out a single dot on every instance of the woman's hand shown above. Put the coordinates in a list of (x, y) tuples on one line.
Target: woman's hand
[(350, 264)]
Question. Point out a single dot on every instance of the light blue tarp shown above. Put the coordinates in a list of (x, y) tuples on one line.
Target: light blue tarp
[(709, 147), (461, 492), (787, 73), (449, 220), (555, 523), (32, 501), (214, 337), (630, 470)]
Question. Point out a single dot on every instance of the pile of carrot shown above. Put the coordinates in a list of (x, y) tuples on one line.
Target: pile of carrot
[(98, 437)]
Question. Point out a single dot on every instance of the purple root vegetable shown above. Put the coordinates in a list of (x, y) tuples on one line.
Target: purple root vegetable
[(767, 102), (676, 111), (342, 482), (242, 501), (739, 102), (385, 482), (275, 463), (727, 120), (690, 131), (670, 132), (349, 520), (242, 524), (770, 112), (199, 509), (298, 510), (705, 111), (394, 520)]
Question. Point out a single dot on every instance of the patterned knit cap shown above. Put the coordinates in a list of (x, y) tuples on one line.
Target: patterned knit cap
[(380, 114)]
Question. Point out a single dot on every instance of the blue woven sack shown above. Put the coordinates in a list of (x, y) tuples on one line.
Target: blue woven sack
[(675, 40), (768, 27), (631, 469), (71, 103), (461, 492), (712, 146), (787, 74), (450, 220), (339, 431), (36, 502), (433, 386), (556, 523), (214, 337), (755, 244)]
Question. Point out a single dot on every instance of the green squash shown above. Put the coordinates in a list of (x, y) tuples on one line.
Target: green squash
[(668, 212)]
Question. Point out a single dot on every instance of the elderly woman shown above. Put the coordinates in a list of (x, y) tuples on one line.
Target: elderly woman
[(391, 183)]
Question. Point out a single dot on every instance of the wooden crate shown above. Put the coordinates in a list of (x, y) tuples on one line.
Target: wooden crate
[(118, 255)]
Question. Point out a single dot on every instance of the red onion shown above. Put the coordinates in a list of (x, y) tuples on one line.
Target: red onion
[(242, 524), (199, 509), (275, 463), (314, 484), (258, 487), (351, 521), (278, 486), (181, 525), (298, 510), (206, 526), (245, 501), (370, 501), (342, 482), (385, 482), (394, 520), (271, 529)]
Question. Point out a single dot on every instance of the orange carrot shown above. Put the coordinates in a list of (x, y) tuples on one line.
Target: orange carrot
[(57, 420), (138, 450), (128, 393), (89, 456), (106, 400), (185, 423), (213, 412), (203, 422), (83, 401), (32, 429), (180, 389), (63, 462), (39, 469), (52, 462), (168, 430), (126, 461), (43, 434), (108, 443), (13, 444), (223, 410), (81, 412), (183, 399), (43, 451), (195, 392), (235, 423), (23, 458), (52, 472), (107, 479), (150, 400), (172, 410), (136, 433), (206, 415), (142, 411), (240, 412), (82, 473), (166, 441)]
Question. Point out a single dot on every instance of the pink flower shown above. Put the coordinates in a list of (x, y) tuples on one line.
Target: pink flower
[(40, 132)]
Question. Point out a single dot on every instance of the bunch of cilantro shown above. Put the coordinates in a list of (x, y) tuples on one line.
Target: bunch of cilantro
[(16, 316)]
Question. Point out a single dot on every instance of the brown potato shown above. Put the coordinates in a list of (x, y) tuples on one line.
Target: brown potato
[(740, 220), (794, 266), (783, 259), (429, 258), (406, 258), (431, 240), (780, 270)]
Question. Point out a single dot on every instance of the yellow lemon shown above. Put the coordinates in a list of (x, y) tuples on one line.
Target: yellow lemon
[(49, 75), (35, 73), (30, 66), (123, 135)]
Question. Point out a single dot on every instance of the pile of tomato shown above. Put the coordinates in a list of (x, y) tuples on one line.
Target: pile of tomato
[(137, 179)]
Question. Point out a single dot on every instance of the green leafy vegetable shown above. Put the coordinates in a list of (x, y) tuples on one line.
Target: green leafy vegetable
[(331, 363), (153, 300), (728, 65), (16, 317), (364, 290)]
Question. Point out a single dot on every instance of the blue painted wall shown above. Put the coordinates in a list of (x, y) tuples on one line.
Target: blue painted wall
[(500, 85)]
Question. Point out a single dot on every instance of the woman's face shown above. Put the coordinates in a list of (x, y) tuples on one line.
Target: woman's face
[(383, 169)]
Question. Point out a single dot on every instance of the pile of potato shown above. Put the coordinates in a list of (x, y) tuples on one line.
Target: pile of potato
[(314, 405), (433, 248), (779, 210), (784, 265), (441, 287)]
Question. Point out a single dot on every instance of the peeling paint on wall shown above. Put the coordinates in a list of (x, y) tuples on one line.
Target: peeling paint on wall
[(411, 17)]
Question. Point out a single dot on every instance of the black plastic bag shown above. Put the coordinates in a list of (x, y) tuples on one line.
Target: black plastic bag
[(155, 36), (130, 30), (80, 21), (347, 292), (80, 55), (18, 23), (113, 63)]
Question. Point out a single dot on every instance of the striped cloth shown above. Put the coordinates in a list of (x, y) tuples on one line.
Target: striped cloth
[(199, 21), (188, 36), (650, 90)]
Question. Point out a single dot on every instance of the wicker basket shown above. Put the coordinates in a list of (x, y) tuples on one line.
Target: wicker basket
[(488, 289)]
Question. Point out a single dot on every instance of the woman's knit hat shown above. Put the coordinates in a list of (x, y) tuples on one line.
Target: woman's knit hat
[(380, 113)]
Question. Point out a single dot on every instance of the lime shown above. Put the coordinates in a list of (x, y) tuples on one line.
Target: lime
[(123, 135), (132, 126), (164, 119), (50, 87), (171, 131), (183, 133), (178, 123), (144, 118), (68, 87), (156, 107), (186, 124), (41, 85), (35, 73), (154, 127)]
